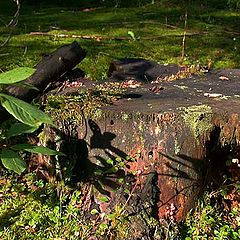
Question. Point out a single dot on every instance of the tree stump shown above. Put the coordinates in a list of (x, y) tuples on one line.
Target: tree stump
[(168, 136)]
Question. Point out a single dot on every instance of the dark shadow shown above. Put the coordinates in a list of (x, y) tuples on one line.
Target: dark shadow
[(103, 140), (80, 166), (210, 171), (132, 95), (77, 167), (7, 218), (178, 174), (218, 155)]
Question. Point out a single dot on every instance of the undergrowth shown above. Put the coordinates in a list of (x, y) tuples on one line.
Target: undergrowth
[(34, 209)]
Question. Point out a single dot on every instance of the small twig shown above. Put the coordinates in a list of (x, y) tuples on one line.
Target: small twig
[(12, 23), (184, 36), (129, 197)]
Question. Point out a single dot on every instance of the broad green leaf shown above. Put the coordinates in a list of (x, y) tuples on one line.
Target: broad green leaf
[(19, 128), (36, 149), (16, 75), (24, 112), (26, 85), (12, 161)]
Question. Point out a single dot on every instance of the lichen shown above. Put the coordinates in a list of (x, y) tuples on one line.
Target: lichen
[(125, 117), (198, 118), (177, 147)]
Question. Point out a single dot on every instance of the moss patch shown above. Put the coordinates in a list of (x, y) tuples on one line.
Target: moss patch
[(83, 104), (198, 118)]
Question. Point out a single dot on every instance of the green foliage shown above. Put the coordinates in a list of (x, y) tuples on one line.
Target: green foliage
[(12, 161), (24, 112), (234, 4), (212, 34), (34, 209), (17, 129), (36, 149), (31, 209), (16, 75), (132, 35), (30, 118), (210, 220)]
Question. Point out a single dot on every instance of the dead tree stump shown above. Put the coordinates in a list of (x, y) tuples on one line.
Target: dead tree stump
[(173, 129)]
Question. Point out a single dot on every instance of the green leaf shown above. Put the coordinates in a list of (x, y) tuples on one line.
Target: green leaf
[(132, 35), (12, 161), (111, 216), (103, 199), (26, 85), (94, 211), (127, 191), (24, 112), (19, 128), (16, 75), (36, 149), (113, 169), (109, 161), (118, 159)]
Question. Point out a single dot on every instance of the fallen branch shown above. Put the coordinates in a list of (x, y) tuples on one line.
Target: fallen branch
[(49, 70), (100, 38)]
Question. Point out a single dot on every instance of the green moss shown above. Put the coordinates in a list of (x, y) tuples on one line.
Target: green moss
[(198, 118), (84, 104)]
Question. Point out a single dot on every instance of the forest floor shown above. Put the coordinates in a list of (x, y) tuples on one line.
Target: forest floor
[(154, 32)]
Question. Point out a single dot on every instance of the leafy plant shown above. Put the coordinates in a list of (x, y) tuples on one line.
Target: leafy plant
[(215, 217), (30, 118)]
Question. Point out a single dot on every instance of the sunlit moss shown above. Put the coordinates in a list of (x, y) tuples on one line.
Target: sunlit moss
[(198, 118), (84, 104), (158, 28)]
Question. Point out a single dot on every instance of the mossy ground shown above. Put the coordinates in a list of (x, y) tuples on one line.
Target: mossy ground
[(158, 29), (34, 209)]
